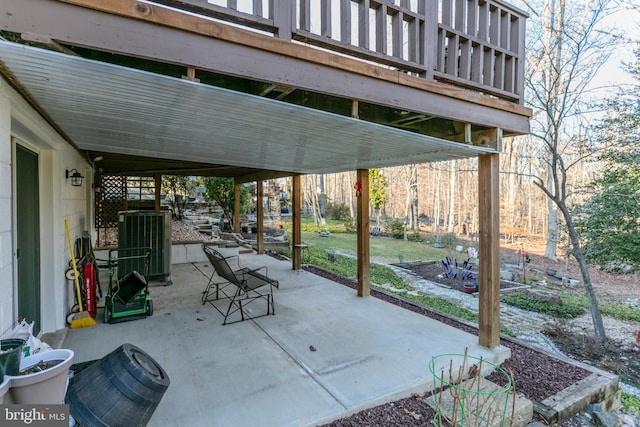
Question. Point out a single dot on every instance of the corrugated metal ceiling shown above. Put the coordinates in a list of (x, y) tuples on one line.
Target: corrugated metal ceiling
[(113, 109)]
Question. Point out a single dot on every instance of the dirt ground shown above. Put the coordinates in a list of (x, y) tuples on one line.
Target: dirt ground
[(622, 353), (575, 337), (608, 286)]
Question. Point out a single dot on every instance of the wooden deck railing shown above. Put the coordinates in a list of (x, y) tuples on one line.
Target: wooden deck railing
[(477, 44)]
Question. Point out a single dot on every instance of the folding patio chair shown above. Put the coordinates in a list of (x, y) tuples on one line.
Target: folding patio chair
[(241, 287)]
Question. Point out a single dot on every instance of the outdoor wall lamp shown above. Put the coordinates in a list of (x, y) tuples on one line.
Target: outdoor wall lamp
[(76, 178)]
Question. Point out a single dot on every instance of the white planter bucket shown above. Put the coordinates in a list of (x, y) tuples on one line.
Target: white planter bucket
[(44, 387), (4, 388)]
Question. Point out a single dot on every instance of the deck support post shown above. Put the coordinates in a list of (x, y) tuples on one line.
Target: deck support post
[(296, 232), (236, 207), (259, 219), (158, 190), (489, 250), (362, 226)]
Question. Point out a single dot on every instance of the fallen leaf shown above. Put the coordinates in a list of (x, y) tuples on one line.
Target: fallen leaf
[(473, 371)]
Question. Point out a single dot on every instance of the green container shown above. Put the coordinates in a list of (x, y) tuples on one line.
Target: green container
[(461, 396), (10, 355)]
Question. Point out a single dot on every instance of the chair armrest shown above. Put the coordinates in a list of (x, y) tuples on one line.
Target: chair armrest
[(265, 277), (254, 270)]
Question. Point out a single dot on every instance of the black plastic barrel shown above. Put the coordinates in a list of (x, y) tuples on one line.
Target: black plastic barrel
[(121, 389)]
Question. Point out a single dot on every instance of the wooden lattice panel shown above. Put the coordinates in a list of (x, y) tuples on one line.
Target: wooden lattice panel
[(110, 199)]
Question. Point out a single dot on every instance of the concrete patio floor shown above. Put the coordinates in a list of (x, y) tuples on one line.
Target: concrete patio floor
[(324, 355)]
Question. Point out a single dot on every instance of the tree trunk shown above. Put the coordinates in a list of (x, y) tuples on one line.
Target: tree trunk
[(414, 205), (530, 225), (452, 195), (311, 197), (552, 232), (322, 199), (351, 179), (578, 253), (436, 206), (410, 177)]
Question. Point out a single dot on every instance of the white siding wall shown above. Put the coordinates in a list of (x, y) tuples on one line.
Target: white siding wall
[(59, 200), (6, 258)]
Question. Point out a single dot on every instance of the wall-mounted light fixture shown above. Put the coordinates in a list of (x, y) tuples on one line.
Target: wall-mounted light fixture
[(76, 178)]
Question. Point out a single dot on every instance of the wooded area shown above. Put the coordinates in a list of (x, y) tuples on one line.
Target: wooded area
[(443, 197), (559, 181)]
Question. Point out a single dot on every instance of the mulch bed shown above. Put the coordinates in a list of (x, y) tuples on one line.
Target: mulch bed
[(434, 271), (537, 376)]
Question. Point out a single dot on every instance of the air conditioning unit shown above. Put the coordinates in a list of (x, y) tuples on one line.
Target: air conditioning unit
[(146, 229)]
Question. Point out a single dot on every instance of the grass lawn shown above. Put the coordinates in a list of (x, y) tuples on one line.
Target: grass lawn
[(383, 249)]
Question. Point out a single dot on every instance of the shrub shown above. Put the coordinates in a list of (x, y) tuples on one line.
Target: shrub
[(415, 237), (630, 403), (565, 310), (395, 229), (349, 226), (312, 228), (449, 240), (339, 212), (618, 311)]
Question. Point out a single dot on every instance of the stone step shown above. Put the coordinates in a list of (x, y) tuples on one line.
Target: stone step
[(485, 403), (226, 244)]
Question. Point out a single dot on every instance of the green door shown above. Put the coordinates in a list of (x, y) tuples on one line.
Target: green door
[(28, 236)]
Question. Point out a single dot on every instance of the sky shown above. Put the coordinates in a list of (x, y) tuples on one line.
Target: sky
[(627, 21)]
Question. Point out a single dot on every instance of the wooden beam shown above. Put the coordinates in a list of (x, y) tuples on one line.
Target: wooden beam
[(260, 218), (158, 190), (467, 133), (261, 176), (362, 226), (236, 207), (191, 75), (489, 138), (489, 250), (296, 233), (130, 28)]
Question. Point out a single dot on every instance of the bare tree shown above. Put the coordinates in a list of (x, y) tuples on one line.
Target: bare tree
[(410, 177), (452, 193), (436, 202), (322, 198), (310, 185), (566, 50)]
